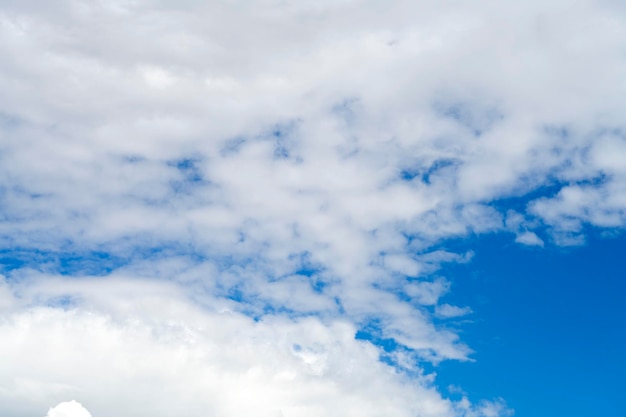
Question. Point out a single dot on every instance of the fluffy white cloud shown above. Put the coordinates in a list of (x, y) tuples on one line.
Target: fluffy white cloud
[(158, 355), (68, 409), (529, 239)]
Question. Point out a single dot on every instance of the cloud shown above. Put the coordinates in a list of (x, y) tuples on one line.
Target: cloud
[(152, 352), (297, 159), (529, 239), (449, 311), (68, 409)]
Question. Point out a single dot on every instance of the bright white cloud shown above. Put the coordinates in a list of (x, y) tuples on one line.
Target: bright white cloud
[(68, 409), (153, 353), (529, 239)]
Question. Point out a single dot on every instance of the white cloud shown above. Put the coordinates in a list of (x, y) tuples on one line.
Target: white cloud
[(68, 409), (449, 311), (158, 355), (529, 239)]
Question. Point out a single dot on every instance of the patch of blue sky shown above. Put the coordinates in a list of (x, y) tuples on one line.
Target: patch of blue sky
[(410, 174), (387, 347), (189, 174), (235, 293), (318, 285), (307, 270), (596, 181), (71, 260), (318, 282), (558, 278), (520, 202), (92, 263), (547, 328), (372, 332), (189, 169), (305, 265)]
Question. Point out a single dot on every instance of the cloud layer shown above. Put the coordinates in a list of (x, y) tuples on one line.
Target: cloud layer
[(297, 163)]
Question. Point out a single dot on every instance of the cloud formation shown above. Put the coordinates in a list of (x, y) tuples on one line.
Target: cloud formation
[(152, 352), (68, 409), (293, 161)]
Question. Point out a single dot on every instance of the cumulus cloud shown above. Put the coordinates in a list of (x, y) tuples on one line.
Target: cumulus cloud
[(68, 409), (159, 355), (294, 159), (529, 239)]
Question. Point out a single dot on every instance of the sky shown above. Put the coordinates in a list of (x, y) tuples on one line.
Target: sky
[(307, 208)]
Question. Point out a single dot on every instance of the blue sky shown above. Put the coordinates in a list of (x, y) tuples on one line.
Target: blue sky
[(547, 326), (304, 208)]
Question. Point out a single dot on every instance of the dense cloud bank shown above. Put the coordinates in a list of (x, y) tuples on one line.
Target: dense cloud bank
[(153, 353), (287, 170)]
